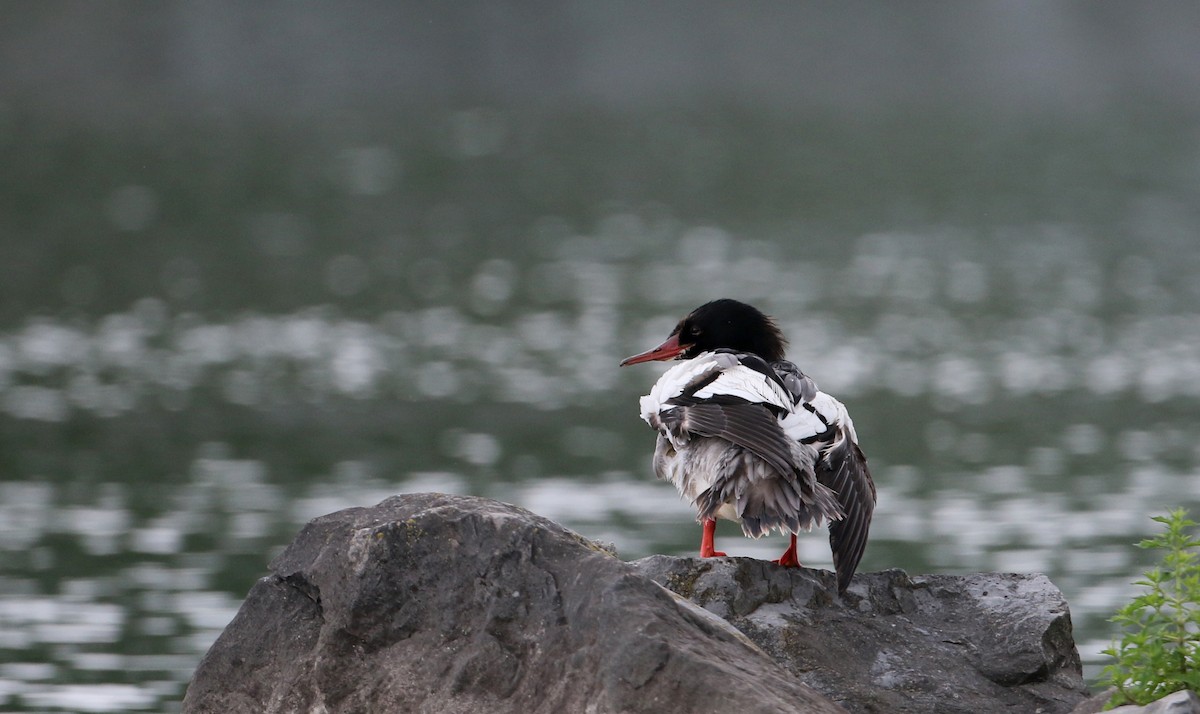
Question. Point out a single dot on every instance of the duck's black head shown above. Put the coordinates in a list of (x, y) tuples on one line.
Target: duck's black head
[(724, 323)]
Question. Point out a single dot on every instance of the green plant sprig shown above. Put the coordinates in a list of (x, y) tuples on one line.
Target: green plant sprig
[(1159, 651)]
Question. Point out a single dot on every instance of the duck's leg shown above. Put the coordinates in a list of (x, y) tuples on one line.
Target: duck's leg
[(706, 541), (789, 559)]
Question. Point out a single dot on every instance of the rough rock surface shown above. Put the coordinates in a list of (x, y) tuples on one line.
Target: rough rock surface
[(894, 643), (1184, 702), (436, 603)]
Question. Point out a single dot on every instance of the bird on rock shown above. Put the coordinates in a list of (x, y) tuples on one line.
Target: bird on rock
[(746, 436)]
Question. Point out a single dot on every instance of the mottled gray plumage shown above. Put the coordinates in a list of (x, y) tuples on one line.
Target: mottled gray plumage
[(768, 479), (738, 454)]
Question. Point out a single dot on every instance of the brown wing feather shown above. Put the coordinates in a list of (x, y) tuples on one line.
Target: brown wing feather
[(843, 468)]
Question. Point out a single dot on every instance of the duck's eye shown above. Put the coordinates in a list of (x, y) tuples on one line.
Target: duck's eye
[(693, 331)]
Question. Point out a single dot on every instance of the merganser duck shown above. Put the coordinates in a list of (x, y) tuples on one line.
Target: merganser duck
[(746, 436)]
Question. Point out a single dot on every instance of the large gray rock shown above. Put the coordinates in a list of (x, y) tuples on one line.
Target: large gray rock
[(893, 643), (436, 603)]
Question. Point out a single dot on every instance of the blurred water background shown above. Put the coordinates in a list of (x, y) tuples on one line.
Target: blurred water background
[(262, 262)]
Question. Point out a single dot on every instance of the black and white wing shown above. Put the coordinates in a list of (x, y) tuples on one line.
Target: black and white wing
[(822, 421), (739, 399)]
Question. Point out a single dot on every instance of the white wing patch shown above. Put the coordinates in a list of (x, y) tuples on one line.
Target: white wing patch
[(672, 384), (745, 383), (734, 380), (803, 424), (737, 380)]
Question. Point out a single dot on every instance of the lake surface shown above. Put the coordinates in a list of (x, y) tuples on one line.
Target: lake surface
[(216, 336)]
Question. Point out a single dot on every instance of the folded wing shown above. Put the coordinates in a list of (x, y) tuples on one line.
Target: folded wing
[(843, 468), (822, 421)]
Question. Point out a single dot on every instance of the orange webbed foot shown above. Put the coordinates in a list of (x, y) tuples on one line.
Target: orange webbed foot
[(789, 559), (707, 549)]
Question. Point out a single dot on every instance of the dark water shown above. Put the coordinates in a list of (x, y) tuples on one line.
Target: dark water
[(215, 327)]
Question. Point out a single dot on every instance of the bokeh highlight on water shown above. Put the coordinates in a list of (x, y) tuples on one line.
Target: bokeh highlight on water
[(1038, 438), (280, 299)]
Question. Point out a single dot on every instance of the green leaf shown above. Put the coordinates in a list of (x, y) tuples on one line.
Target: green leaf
[(1159, 648)]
